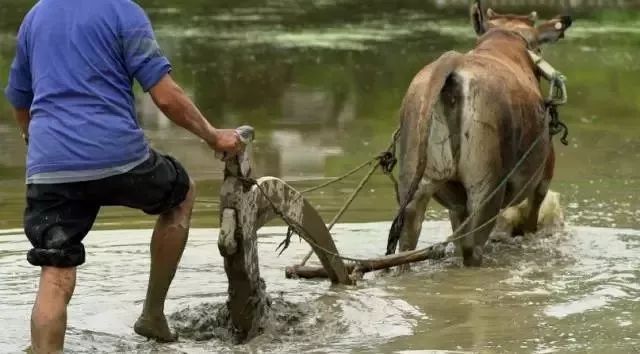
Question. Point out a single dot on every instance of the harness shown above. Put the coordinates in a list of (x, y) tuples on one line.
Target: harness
[(557, 95), (557, 90)]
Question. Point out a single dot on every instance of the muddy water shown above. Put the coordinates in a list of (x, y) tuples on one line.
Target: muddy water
[(321, 81), (571, 292)]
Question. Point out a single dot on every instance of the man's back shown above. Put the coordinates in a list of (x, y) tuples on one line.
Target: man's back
[(78, 59)]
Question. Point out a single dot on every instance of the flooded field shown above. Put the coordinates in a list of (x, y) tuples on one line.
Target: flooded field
[(575, 292), (321, 81)]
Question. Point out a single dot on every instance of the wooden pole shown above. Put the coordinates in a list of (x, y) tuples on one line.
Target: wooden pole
[(433, 252), (248, 300)]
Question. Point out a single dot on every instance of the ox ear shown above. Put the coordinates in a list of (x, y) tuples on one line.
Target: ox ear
[(551, 31), (477, 19)]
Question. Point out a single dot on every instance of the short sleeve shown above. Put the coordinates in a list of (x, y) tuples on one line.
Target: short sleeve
[(143, 58), (19, 90)]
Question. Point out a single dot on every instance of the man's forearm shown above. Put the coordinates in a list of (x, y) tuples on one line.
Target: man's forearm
[(177, 106), (186, 114)]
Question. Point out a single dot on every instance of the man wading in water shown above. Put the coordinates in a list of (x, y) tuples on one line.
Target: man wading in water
[(71, 87)]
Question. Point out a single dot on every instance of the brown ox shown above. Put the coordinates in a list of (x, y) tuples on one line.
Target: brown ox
[(466, 121)]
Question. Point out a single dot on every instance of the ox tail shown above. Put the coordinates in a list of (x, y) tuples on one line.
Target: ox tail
[(415, 117)]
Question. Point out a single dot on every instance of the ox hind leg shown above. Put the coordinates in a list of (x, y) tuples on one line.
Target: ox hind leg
[(484, 204), (453, 197), (535, 202), (539, 193)]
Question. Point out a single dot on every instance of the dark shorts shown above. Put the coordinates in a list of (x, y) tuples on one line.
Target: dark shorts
[(59, 216)]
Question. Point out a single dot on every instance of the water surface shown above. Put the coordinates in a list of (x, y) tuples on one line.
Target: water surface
[(575, 291)]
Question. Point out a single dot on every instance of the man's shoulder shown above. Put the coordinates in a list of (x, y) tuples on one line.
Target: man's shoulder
[(28, 17)]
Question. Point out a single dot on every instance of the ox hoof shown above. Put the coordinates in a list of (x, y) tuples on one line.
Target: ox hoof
[(472, 257)]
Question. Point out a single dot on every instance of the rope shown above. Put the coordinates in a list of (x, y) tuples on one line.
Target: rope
[(320, 186), (386, 160), (336, 218), (304, 234), (340, 178)]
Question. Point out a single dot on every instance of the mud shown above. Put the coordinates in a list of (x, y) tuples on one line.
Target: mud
[(283, 321)]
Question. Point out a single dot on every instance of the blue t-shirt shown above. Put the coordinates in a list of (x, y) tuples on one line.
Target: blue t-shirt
[(75, 65)]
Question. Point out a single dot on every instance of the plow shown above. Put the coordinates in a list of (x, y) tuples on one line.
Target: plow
[(247, 204)]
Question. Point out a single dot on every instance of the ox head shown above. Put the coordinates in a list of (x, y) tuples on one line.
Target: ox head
[(535, 34)]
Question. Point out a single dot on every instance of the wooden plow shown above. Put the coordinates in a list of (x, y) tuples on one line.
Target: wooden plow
[(245, 206)]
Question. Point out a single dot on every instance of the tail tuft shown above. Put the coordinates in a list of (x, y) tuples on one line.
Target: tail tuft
[(394, 233)]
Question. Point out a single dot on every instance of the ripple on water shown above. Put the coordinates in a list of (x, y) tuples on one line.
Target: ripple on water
[(572, 292)]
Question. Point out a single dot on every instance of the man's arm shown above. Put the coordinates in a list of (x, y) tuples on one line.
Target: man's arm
[(144, 61), (19, 92), (23, 117), (179, 108)]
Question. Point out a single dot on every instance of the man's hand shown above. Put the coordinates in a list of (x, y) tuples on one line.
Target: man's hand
[(226, 141), (22, 118)]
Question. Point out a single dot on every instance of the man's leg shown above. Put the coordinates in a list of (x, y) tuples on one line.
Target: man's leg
[(49, 315), (167, 244), (158, 186), (55, 222)]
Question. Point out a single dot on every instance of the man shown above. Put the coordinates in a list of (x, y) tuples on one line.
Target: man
[(71, 87)]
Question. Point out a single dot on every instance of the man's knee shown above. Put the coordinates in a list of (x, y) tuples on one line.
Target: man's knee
[(182, 212), (190, 197)]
